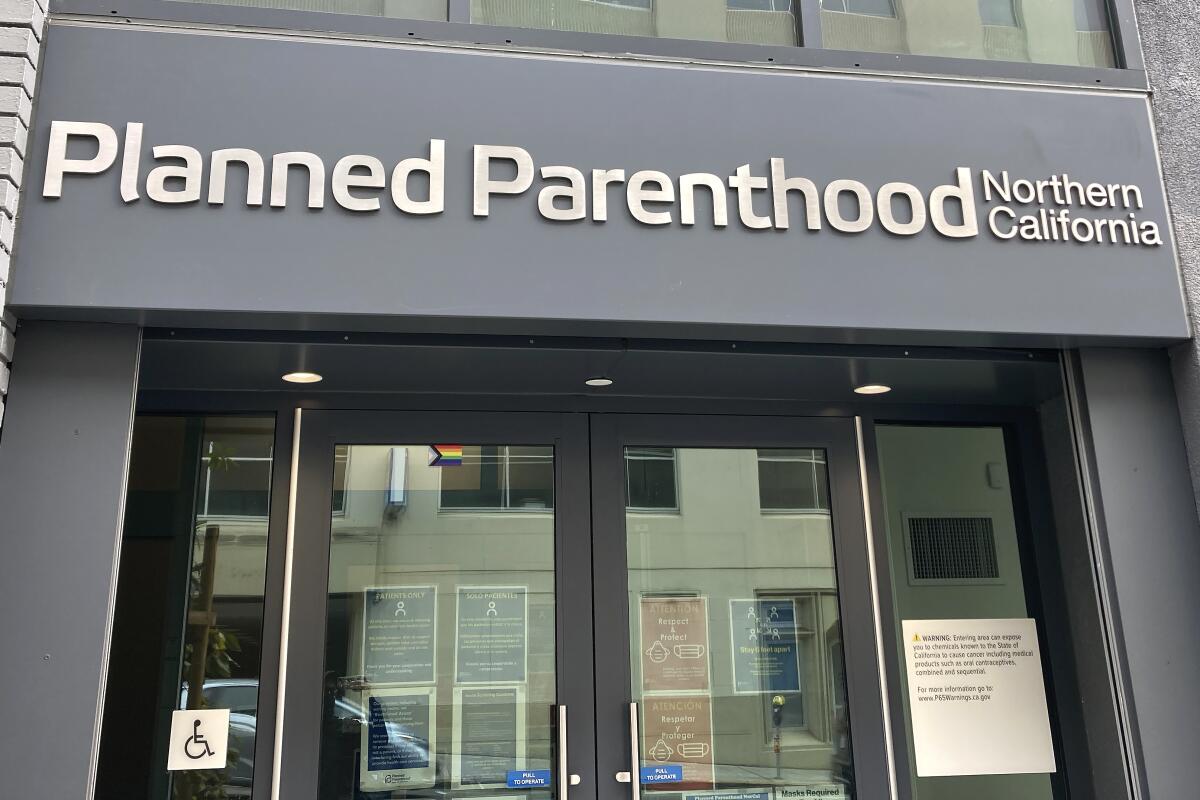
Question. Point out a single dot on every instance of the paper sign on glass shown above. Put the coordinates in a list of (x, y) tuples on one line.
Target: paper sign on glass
[(812, 791), (400, 634), (528, 778), (679, 731), (491, 634), (489, 735), (766, 654), (398, 739), (199, 739), (977, 698), (731, 794), (663, 773), (674, 644)]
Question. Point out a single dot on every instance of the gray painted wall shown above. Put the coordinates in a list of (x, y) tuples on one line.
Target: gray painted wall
[(1170, 42), (1149, 526), (62, 482)]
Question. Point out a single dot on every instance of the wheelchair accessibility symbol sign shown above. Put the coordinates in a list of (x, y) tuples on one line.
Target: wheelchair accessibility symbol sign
[(199, 739)]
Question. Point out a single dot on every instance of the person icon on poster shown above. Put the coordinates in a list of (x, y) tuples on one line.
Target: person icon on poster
[(199, 740), (400, 612)]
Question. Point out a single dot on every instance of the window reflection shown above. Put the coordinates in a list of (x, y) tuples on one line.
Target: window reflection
[(236, 475), (187, 626), (998, 12), (878, 8), (499, 478), (440, 635), (735, 625), (792, 480), (955, 554), (1072, 32), (759, 5), (650, 479), (747, 21), (399, 9)]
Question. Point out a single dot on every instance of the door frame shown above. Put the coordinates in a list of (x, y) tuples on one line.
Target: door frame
[(1096, 679), (867, 695), (302, 651)]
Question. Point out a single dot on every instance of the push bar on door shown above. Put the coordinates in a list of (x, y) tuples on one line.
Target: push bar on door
[(565, 779), (633, 777)]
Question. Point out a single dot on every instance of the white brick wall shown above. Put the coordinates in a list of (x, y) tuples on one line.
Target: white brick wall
[(7, 325), (22, 25)]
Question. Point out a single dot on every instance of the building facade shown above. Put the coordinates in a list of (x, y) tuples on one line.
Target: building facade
[(590, 399)]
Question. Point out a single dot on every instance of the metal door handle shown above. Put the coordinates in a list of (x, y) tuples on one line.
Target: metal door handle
[(565, 779), (633, 777)]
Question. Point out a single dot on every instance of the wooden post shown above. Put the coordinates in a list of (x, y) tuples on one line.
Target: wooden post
[(201, 619)]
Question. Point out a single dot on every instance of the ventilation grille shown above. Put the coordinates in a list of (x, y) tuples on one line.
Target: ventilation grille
[(952, 549)]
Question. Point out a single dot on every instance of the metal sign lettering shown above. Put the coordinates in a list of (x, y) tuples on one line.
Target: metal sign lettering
[(1040, 208)]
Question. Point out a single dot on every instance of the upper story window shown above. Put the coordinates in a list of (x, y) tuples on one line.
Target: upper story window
[(642, 4), (235, 475), (998, 12), (760, 5), (499, 478), (1091, 16), (651, 482), (876, 8), (341, 468), (1066, 32), (1036, 31), (746, 21), (793, 480)]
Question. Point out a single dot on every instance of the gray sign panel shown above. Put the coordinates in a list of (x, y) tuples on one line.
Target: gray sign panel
[(656, 193)]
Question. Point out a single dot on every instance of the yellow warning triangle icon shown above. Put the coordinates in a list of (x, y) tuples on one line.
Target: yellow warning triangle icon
[(916, 637)]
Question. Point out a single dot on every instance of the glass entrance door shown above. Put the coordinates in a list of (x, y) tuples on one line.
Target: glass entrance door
[(537, 606), (441, 638), (735, 650)]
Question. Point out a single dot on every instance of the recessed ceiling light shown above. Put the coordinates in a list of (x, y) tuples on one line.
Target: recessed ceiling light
[(303, 377), (872, 388), (599, 381)]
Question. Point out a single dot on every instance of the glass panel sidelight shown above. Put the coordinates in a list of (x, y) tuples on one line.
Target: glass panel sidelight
[(955, 552), (440, 637), (187, 627), (735, 634)]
